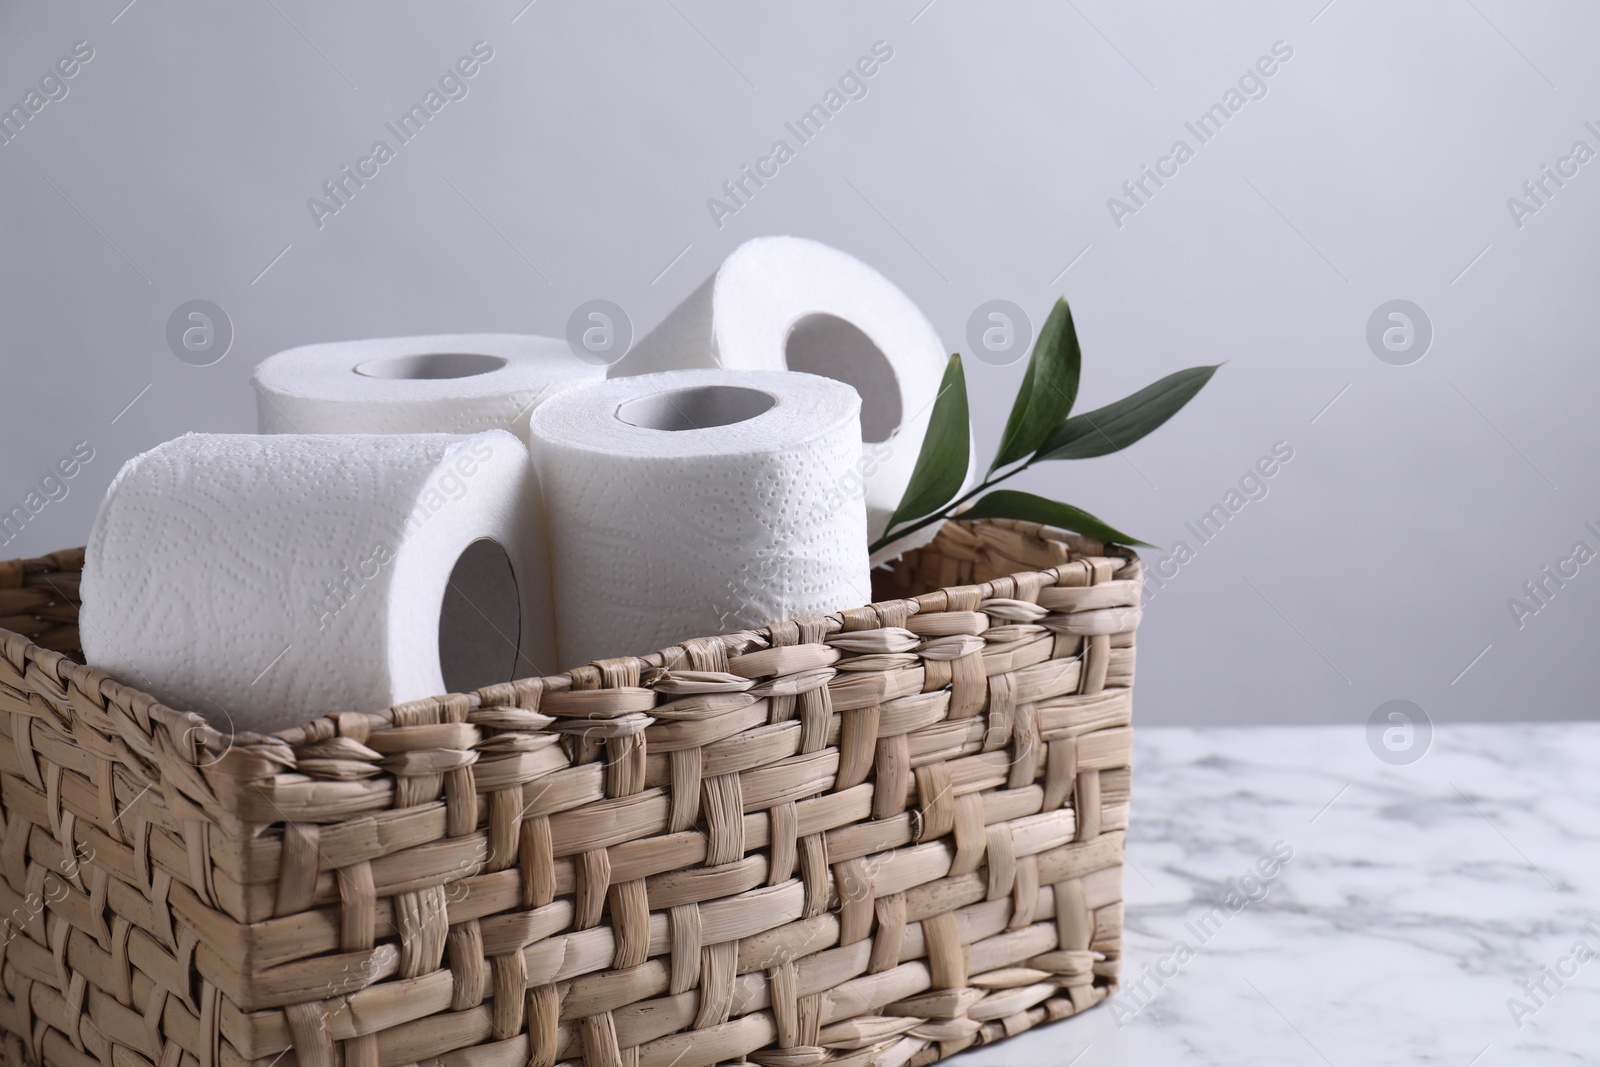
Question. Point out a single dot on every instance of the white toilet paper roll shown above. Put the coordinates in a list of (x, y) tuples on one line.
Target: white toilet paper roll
[(790, 303), (693, 503), (447, 383), (263, 581)]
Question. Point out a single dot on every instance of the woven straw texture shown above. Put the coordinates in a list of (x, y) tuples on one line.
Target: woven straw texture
[(874, 838)]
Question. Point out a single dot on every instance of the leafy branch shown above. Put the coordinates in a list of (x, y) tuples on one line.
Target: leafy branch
[(1041, 427)]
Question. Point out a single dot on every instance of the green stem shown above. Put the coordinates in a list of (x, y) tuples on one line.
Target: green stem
[(891, 536)]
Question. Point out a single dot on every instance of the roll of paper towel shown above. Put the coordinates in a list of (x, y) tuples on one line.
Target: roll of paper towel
[(264, 581), (449, 383), (788, 303), (692, 503)]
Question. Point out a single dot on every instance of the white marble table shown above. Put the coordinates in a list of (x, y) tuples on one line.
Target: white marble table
[(1417, 901)]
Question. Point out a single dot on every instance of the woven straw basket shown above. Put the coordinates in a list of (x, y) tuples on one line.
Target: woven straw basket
[(874, 838)]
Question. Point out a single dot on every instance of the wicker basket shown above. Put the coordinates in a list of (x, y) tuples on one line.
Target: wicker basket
[(878, 837)]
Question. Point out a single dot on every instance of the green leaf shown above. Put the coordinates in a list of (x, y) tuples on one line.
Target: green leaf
[(1048, 388), (941, 468), (1116, 426), (1015, 504)]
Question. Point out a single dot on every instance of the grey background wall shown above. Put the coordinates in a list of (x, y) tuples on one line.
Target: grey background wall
[(1375, 164)]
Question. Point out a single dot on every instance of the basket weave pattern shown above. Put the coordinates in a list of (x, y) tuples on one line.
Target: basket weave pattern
[(877, 837)]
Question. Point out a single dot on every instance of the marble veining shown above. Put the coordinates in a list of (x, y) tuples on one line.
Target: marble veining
[(1426, 915)]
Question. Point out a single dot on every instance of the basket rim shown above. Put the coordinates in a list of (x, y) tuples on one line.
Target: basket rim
[(207, 745)]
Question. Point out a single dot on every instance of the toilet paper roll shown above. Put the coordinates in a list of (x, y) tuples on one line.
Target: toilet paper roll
[(788, 303), (447, 383), (266, 580), (694, 503)]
